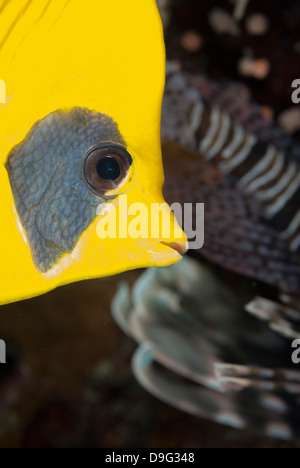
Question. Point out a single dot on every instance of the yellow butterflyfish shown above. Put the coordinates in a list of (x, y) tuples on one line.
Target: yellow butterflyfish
[(80, 127)]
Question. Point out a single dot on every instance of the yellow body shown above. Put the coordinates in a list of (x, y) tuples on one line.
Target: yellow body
[(105, 55)]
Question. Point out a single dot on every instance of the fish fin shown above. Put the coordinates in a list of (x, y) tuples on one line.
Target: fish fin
[(202, 353), (255, 156)]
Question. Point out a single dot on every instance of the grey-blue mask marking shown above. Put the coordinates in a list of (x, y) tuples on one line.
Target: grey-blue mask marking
[(54, 204)]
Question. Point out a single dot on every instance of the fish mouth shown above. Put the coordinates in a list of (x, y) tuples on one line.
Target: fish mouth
[(180, 247)]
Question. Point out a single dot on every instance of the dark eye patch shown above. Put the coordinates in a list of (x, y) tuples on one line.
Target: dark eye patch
[(54, 204), (108, 169)]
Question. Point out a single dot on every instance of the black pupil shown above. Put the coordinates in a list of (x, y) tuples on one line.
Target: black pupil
[(108, 169)]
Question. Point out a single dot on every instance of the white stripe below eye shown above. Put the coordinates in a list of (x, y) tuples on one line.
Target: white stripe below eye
[(212, 131), (283, 183), (283, 199), (295, 244), (221, 140), (238, 138), (259, 168), (230, 165), (268, 176), (294, 225)]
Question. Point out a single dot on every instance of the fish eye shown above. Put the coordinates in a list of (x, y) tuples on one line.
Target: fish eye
[(107, 168)]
